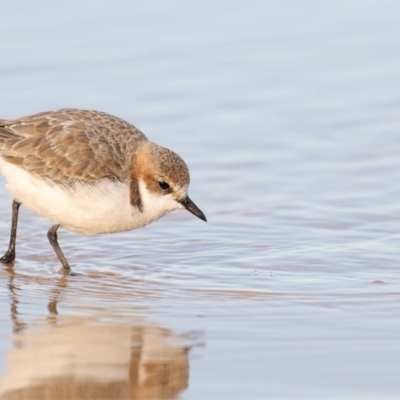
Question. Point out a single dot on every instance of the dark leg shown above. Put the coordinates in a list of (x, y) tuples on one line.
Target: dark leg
[(52, 236), (10, 254)]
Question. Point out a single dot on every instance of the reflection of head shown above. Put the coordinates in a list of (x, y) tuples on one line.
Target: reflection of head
[(78, 360)]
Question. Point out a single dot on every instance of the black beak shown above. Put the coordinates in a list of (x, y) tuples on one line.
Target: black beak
[(190, 206)]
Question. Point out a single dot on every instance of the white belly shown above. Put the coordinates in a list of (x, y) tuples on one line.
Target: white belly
[(103, 207)]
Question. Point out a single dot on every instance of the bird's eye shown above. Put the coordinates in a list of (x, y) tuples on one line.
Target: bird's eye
[(164, 185)]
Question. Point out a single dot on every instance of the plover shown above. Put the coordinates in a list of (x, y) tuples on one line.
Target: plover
[(88, 172)]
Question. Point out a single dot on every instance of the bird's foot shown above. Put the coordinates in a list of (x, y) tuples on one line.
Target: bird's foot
[(68, 272), (9, 257)]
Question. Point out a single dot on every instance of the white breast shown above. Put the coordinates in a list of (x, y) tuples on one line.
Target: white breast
[(103, 207)]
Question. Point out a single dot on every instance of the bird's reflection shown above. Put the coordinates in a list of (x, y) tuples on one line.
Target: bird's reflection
[(16, 323), (81, 357)]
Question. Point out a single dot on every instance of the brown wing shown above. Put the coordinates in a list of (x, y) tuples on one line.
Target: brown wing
[(70, 145)]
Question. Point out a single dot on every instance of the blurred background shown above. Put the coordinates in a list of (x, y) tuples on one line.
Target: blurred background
[(288, 115)]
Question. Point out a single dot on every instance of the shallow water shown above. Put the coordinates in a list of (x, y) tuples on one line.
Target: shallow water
[(287, 114)]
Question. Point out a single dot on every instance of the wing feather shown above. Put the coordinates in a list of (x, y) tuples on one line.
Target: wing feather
[(71, 145)]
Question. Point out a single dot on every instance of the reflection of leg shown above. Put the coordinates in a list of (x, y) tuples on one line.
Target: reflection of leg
[(17, 324), (55, 296), (10, 254), (52, 236)]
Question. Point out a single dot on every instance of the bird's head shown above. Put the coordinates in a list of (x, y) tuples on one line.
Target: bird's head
[(163, 181)]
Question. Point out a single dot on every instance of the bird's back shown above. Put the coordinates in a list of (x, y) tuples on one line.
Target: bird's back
[(70, 145)]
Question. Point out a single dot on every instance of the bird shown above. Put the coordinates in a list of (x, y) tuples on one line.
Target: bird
[(89, 172)]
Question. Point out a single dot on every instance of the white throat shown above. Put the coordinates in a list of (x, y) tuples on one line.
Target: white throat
[(156, 205)]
